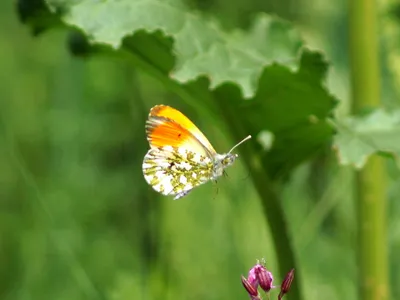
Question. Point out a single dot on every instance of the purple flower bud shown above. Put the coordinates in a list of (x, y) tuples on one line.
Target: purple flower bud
[(286, 283), (252, 277), (259, 275), (265, 279), (249, 288)]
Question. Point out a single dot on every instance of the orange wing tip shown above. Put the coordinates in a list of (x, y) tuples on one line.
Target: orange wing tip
[(168, 126), (166, 133), (154, 111)]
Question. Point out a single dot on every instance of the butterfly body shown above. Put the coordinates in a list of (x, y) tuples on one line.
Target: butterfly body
[(180, 157)]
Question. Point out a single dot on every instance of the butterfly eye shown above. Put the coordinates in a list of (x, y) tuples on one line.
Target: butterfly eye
[(229, 159)]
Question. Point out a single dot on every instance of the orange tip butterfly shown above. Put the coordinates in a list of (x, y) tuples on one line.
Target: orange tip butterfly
[(180, 156)]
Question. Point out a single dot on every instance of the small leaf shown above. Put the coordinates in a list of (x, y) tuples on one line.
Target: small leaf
[(360, 137)]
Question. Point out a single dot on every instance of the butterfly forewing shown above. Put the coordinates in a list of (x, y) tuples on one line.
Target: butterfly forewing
[(181, 131), (165, 132), (175, 171)]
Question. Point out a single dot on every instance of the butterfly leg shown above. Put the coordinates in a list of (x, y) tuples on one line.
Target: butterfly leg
[(181, 194)]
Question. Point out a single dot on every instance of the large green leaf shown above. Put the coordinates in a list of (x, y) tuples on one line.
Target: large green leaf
[(200, 47), (360, 137)]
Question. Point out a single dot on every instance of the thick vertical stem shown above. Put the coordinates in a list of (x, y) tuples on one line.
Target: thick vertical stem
[(372, 251), (370, 182)]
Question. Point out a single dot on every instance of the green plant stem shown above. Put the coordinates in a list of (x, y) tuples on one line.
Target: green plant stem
[(370, 181), (267, 191)]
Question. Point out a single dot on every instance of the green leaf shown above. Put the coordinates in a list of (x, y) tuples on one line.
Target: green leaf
[(37, 15), (360, 137), (293, 106), (200, 47)]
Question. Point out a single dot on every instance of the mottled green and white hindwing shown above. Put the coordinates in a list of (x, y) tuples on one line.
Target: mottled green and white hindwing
[(176, 171)]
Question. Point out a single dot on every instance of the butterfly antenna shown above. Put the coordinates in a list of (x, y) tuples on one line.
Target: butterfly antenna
[(241, 142)]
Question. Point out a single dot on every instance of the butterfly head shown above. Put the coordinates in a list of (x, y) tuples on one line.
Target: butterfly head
[(223, 161), (228, 159)]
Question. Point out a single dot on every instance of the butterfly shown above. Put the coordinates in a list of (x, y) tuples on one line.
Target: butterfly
[(180, 156)]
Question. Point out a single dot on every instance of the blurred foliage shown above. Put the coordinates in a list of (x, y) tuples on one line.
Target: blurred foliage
[(77, 219), (359, 137)]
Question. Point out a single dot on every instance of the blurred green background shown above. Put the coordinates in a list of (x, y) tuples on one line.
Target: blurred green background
[(78, 221)]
